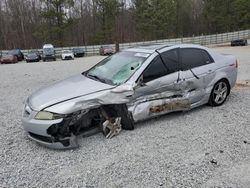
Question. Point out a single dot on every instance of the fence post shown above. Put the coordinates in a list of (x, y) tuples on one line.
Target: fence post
[(117, 48)]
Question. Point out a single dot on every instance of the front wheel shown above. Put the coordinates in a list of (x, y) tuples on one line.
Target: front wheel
[(219, 93)]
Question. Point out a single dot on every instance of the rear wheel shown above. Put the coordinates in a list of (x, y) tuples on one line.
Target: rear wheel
[(219, 93)]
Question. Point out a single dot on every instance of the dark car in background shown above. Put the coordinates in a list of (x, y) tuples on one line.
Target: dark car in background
[(239, 42), (8, 59), (33, 57), (78, 52), (106, 50), (18, 53)]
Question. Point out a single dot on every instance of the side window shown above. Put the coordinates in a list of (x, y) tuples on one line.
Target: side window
[(206, 57), (192, 57), (155, 70), (171, 59)]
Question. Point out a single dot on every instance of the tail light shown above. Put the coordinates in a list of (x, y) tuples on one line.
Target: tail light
[(235, 64)]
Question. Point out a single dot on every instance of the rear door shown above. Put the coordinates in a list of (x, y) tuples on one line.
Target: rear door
[(197, 73)]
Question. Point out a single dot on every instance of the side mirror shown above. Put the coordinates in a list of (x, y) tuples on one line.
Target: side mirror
[(125, 88), (140, 82)]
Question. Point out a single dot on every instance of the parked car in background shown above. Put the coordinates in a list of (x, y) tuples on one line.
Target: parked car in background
[(18, 53), (48, 53), (37, 53), (129, 86), (7, 59), (239, 42), (67, 55), (33, 57), (106, 50), (78, 52)]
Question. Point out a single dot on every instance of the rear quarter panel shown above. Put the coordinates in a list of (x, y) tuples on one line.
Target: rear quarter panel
[(225, 67)]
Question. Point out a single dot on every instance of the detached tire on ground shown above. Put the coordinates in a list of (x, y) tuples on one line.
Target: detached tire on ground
[(219, 93)]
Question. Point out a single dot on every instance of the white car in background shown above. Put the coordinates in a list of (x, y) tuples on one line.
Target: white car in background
[(67, 54)]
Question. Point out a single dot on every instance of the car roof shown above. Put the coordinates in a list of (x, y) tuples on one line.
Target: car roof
[(151, 48), (48, 46)]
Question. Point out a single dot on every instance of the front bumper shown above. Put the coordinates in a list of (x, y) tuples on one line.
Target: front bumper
[(6, 61), (37, 131), (32, 60), (66, 143), (68, 57), (49, 57)]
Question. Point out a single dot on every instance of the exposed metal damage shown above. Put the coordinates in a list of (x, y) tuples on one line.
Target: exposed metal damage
[(171, 105), (108, 119)]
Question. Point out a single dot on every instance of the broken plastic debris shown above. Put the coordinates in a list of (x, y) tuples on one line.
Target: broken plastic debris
[(113, 128)]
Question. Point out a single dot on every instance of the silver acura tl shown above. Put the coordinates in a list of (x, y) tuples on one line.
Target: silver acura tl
[(127, 87)]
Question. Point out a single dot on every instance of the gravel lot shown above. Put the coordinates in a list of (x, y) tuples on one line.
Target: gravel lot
[(205, 147)]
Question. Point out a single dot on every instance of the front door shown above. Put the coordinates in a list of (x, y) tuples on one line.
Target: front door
[(159, 91)]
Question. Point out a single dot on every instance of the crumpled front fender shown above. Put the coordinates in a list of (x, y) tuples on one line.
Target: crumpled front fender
[(119, 95)]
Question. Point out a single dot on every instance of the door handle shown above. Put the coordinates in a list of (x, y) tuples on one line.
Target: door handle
[(209, 71)]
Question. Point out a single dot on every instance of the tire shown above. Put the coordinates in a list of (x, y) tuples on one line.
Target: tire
[(219, 93), (120, 110), (126, 118), (127, 122)]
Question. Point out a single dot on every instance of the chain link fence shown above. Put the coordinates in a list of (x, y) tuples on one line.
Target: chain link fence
[(204, 40)]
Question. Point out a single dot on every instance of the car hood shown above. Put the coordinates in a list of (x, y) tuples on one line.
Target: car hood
[(32, 56), (64, 90)]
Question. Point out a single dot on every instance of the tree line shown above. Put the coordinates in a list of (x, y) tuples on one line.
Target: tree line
[(31, 23)]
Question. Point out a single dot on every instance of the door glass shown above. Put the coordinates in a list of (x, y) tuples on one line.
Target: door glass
[(192, 58), (155, 70), (171, 60), (206, 57)]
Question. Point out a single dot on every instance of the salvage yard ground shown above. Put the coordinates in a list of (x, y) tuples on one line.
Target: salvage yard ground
[(205, 147)]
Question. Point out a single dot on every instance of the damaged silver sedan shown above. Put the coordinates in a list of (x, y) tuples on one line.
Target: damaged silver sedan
[(127, 87)]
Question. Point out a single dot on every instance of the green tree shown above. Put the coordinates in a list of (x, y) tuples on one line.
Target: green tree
[(228, 15), (56, 21), (107, 12)]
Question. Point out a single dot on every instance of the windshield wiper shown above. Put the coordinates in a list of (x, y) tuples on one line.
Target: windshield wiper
[(106, 81), (96, 77)]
